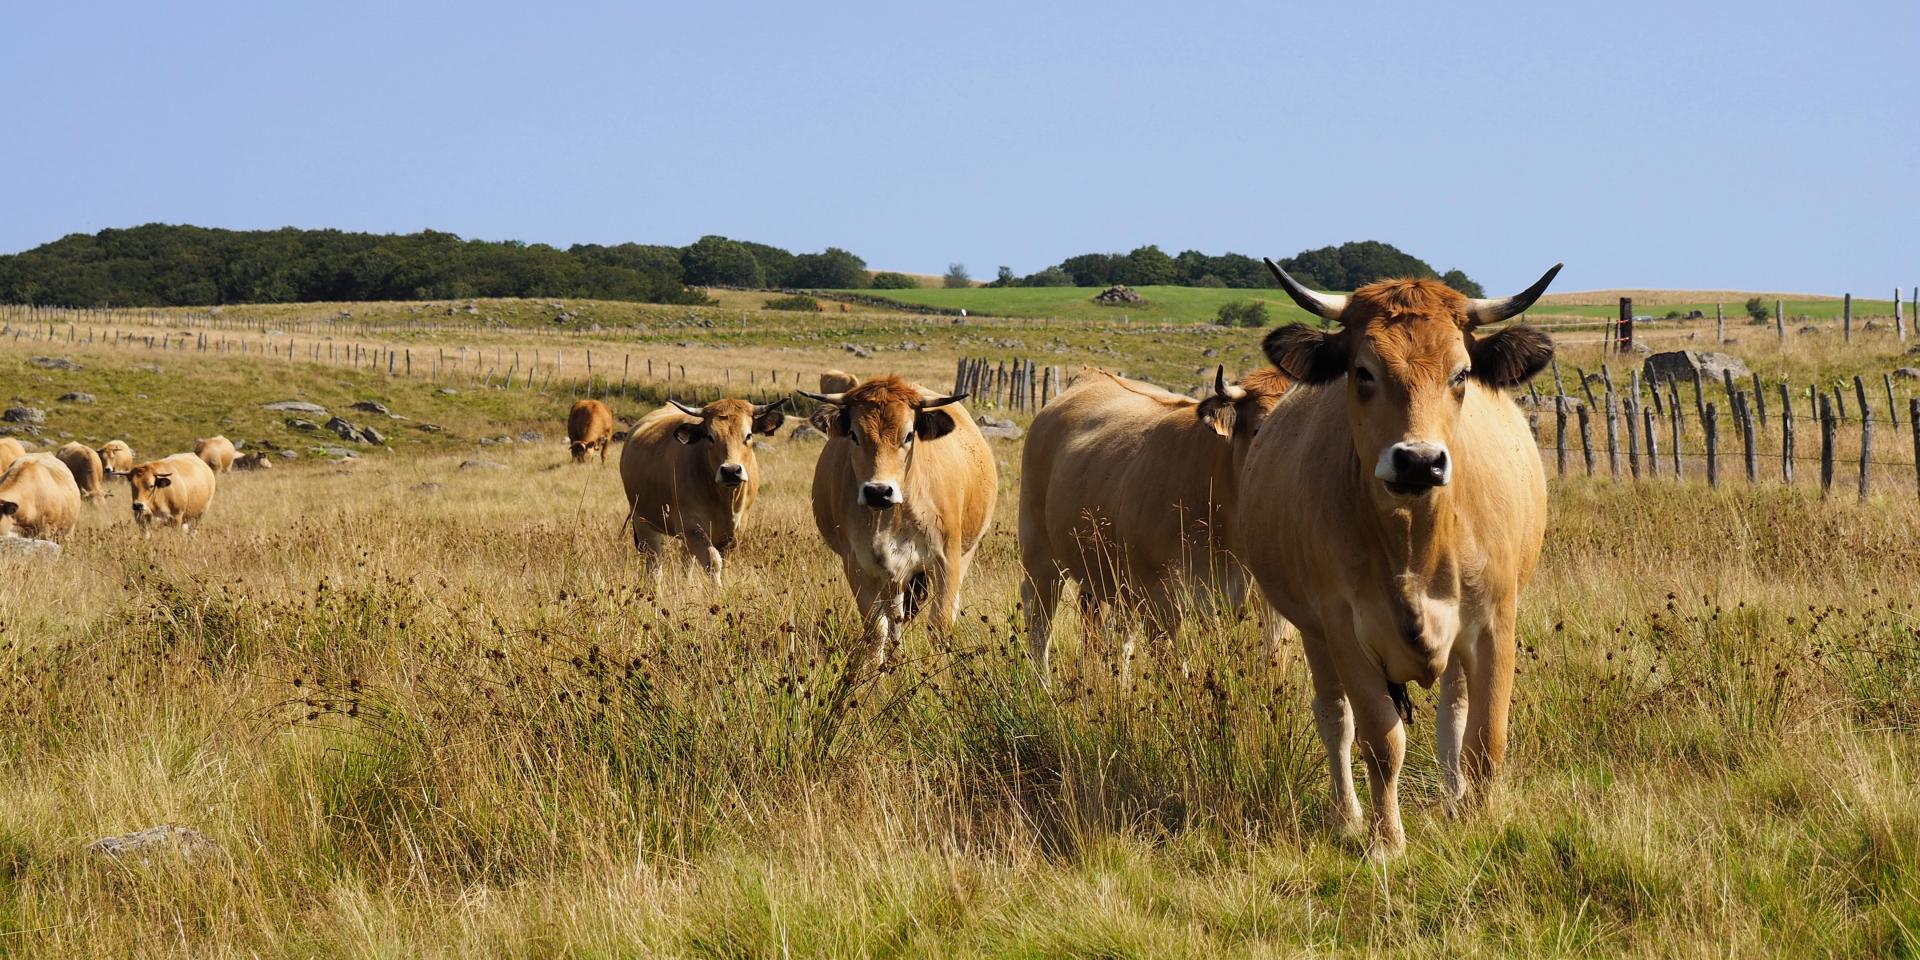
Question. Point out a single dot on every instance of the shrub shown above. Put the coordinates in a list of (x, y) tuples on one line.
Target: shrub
[(1757, 309), (1050, 277), (957, 277), (799, 302), (889, 280), (1243, 313)]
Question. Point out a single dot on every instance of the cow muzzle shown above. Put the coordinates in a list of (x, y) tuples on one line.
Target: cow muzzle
[(880, 495), (731, 474), (1412, 469)]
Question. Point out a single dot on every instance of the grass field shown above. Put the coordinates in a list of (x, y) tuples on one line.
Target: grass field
[(428, 711)]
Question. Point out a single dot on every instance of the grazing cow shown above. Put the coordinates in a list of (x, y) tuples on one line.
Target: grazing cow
[(903, 492), (38, 498), (173, 491), (84, 463), (116, 457), (690, 472), (257, 460), (1393, 508), (216, 451), (589, 428), (1130, 490), (10, 450)]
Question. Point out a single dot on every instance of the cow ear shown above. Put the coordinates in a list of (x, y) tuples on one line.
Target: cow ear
[(842, 421), (768, 423), (932, 424), (1306, 355), (165, 481), (8, 507), (1219, 413), (1511, 357), (686, 432)]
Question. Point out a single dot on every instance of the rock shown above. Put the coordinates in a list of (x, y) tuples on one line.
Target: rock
[(169, 839), (372, 406), (53, 363), (1117, 294), (1008, 432), (427, 427), (289, 455), (1872, 326), (447, 392), (1640, 347), (299, 424), (76, 397), (1809, 328), (346, 431), (1681, 365), (373, 436), (1914, 351), (340, 453), (427, 487), (296, 406), (482, 465), (533, 436), (1596, 380), (30, 549), (857, 350), (24, 415), (1907, 373), (1209, 352), (805, 432)]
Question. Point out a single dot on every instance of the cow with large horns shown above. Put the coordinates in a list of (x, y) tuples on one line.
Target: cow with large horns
[(903, 493), (689, 473), (1393, 509)]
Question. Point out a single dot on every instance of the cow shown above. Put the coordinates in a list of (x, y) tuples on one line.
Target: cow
[(84, 463), (10, 450), (216, 451), (689, 472), (1393, 507), (831, 381), (173, 491), (589, 428), (903, 492), (38, 498), (1129, 490), (257, 460), (116, 457)]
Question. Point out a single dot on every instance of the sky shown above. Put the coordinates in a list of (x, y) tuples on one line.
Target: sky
[(1749, 146)]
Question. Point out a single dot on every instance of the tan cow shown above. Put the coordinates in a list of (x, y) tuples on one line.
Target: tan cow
[(38, 498), (1393, 507), (116, 458), (1129, 490), (10, 450), (589, 428), (216, 451), (903, 492), (84, 463), (173, 491), (689, 472)]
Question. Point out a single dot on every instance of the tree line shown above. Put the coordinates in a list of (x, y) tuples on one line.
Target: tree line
[(1345, 267)]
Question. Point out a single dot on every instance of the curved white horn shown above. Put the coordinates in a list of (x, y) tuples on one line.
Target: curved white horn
[(1232, 391), (940, 401), (766, 408), (689, 411), (1322, 305), (1481, 311), (833, 398)]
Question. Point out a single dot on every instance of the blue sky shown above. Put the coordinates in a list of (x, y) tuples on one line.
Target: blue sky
[(1744, 146)]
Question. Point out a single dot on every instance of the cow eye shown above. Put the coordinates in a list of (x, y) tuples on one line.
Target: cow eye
[(907, 439), (1363, 375), (1460, 378)]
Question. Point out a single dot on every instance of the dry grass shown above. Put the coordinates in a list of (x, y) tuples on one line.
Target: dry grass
[(435, 712), (1656, 298)]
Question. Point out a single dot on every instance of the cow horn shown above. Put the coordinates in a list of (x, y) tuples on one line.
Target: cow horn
[(1319, 304), (1232, 391), (941, 401), (767, 408), (1493, 311), (833, 398), (689, 411)]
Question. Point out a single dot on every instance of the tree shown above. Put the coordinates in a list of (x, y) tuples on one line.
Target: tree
[(1005, 278), (1459, 280), (1758, 310), (1147, 266), (888, 280), (1243, 313), (831, 269), (956, 277), (1090, 269), (717, 261), (1050, 277)]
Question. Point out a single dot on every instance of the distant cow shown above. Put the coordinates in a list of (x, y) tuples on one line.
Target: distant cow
[(257, 460), (1130, 490), (84, 463), (1394, 506), (116, 457), (10, 450), (589, 428), (216, 451), (689, 472), (903, 492), (173, 491), (38, 498)]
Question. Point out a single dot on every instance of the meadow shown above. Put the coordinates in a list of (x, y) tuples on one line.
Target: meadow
[(430, 707)]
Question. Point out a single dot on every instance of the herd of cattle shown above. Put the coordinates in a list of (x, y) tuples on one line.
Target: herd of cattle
[(1379, 484), (41, 493)]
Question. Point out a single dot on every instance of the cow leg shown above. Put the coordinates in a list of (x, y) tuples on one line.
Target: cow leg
[(1334, 718), (1277, 632), (1490, 695), (947, 580), (1163, 618), (1452, 726), (876, 599), (705, 554), (1382, 741), (1039, 599), (652, 547)]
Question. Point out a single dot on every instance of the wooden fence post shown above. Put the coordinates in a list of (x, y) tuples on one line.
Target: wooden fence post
[(1719, 325), (1826, 445), (1674, 436), (1653, 446), (1633, 437), (1613, 441), (1893, 412), (1899, 328), (1699, 395), (1780, 318), (1786, 435), (1712, 423), (1586, 440), (1560, 433), (1866, 450), (1913, 418), (1846, 318), (1759, 400), (1746, 434)]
